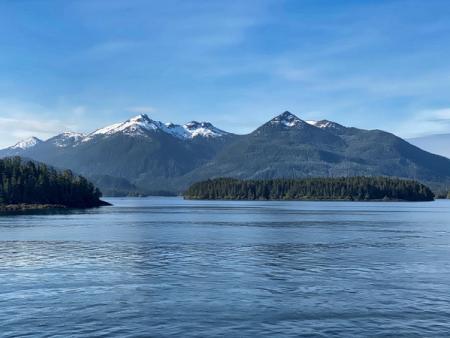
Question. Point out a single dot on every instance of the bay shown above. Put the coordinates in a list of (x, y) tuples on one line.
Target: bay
[(162, 266)]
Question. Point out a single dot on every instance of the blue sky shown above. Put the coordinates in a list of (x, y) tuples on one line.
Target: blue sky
[(79, 65)]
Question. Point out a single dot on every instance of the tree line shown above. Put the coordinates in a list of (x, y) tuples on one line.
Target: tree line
[(27, 182), (340, 188)]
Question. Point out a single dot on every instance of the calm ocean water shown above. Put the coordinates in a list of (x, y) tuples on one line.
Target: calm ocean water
[(169, 267)]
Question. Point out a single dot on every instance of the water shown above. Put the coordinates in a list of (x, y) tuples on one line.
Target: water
[(168, 267)]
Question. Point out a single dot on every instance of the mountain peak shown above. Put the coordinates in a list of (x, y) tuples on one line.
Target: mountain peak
[(136, 125), (195, 124), (141, 125), (287, 113), (205, 129), (66, 139), (287, 119), (140, 118), (27, 143)]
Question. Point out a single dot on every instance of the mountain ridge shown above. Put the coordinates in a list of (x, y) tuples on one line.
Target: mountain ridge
[(138, 125), (155, 156)]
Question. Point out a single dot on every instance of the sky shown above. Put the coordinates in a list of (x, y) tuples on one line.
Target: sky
[(80, 65)]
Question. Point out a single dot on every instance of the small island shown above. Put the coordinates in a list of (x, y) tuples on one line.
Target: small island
[(318, 189), (26, 185)]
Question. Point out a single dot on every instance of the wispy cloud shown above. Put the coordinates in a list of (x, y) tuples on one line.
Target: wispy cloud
[(29, 127), (109, 48), (20, 120), (426, 122)]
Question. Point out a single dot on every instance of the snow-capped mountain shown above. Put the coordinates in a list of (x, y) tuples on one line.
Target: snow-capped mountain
[(287, 119), (204, 129), (290, 120), (21, 146), (326, 124), (27, 143), (66, 139), (138, 150), (141, 125), (138, 126)]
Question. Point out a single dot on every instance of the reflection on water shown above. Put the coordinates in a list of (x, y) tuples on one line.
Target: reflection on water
[(165, 266)]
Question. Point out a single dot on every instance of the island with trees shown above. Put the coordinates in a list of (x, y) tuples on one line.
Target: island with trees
[(336, 188), (27, 185)]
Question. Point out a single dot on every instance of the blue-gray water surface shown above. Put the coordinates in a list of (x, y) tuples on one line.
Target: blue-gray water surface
[(168, 267)]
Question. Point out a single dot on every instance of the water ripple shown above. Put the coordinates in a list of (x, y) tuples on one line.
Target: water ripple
[(168, 267)]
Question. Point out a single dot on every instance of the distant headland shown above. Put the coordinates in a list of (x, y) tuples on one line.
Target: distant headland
[(27, 185), (340, 188)]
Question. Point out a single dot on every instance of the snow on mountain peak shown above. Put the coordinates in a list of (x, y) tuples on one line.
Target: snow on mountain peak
[(204, 129), (140, 125), (27, 143), (142, 118), (176, 130), (67, 139), (135, 126), (287, 119), (325, 124)]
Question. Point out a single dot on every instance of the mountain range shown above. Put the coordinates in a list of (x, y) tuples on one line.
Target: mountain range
[(142, 155)]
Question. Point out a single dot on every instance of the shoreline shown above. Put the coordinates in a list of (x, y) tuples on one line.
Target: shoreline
[(30, 207), (303, 200), (6, 208)]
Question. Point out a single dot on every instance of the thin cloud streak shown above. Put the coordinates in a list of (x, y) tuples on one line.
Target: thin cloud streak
[(425, 123)]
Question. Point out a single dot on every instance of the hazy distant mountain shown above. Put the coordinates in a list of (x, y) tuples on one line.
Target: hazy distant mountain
[(141, 154), (436, 144)]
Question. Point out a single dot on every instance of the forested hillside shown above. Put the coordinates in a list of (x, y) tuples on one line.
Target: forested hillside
[(343, 188), (26, 182)]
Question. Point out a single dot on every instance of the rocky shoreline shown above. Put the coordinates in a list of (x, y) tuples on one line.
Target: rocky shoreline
[(30, 207), (5, 208)]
